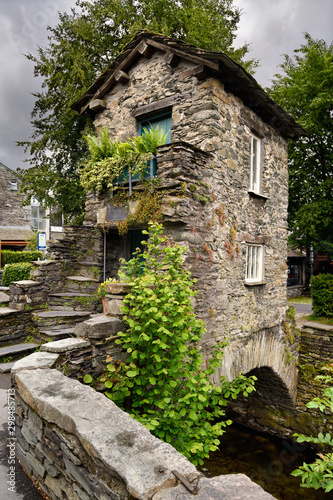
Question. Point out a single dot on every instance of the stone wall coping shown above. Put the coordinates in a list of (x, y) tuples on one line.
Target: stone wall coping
[(26, 283), (44, 262), (36, 360), (318, 326), (65, 345), (99, 326), (107, 433), (231, 486)]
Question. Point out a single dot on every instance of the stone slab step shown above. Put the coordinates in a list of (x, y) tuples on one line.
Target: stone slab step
[(5, 311), (76, 301), (56, 334), (16, 349), (55, 318), (61, 314), (88, 263), (71, 294), (6, 367), (81, 279)]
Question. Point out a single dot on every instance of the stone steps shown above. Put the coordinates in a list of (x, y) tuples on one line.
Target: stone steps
[(67, 301), (90, 269), (54, 318), (56, 334), (81, 284), (15, 352)]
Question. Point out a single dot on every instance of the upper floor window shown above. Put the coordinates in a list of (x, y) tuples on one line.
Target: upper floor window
[(255, 164), (163, 121), (254, 263), (38, 218), (13, 186)]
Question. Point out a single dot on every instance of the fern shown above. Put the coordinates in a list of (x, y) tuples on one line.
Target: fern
[(101, 146), (149, 140)]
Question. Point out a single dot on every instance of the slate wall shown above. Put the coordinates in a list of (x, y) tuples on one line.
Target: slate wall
[(216, 215), (75, 443), (11, 211)]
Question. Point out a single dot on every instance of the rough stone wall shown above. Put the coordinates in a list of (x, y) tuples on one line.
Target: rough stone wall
[(79, 247), (315, 358), (11, 211), (15, 326), (74, 452), (315, 344), (217, 215)]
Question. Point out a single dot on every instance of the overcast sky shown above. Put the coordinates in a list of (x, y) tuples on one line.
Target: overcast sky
[(272, 27)]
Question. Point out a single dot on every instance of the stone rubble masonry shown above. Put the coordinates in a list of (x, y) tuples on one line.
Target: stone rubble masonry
[(315, 356), (207, 207), (12, 213), (27, 293), (78, 444), (14, 325)]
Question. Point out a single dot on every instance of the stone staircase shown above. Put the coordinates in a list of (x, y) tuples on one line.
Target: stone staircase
[(77, 303)]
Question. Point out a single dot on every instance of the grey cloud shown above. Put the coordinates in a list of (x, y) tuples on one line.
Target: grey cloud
[(271, 27)]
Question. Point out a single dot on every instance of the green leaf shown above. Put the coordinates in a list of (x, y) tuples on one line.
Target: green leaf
[(87, 379), (131, 373)]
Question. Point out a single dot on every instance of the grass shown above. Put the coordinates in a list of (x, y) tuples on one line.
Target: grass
[(319, 319), (303, 299)]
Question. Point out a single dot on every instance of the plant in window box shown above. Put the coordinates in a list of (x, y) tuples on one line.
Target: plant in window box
[(111, 162)]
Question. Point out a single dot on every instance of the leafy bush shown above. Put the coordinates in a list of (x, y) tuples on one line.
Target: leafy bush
[(322, 294), (12, 257), (165, 382), (16, 272), (319, 474), (32, 242)]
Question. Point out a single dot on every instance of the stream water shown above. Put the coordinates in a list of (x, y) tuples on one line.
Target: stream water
[(266, 460)]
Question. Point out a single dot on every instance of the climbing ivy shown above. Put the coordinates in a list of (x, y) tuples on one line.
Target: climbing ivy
[(165, 382)]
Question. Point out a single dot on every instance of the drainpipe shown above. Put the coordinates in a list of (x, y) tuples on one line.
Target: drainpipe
[(151, 173), (104, 257)]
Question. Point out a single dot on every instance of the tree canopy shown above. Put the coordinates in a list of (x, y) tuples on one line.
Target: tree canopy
[(80, 47), (304, 89)]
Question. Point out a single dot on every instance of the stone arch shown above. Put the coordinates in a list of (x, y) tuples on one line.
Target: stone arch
[(265, 350), (270, 388)]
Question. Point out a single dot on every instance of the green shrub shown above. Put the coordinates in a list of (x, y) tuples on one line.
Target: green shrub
[(12, 257), (16, 272), (322, 294), (165, 381)]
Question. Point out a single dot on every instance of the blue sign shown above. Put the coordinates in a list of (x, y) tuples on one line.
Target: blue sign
[(41, 242)]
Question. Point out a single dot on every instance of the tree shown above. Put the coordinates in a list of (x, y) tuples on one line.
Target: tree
[(305, 91), (80, 47), (165, 381)]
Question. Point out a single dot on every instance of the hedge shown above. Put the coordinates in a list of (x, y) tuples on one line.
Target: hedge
[(16, 272), (322, 294), (11, 257)]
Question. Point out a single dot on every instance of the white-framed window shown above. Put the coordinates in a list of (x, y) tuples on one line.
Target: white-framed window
[(254, 263), (38, 218), (255, 164), (13, 185)]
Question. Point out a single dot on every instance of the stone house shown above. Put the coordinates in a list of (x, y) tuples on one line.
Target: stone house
[(15, 226), (223, 180)]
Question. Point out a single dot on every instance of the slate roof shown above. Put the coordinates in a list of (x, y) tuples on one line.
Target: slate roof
[(234, 77), (13, 233)]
